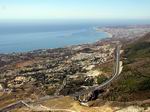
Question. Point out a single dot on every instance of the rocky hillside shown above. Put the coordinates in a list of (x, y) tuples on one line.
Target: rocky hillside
[(134, 82)]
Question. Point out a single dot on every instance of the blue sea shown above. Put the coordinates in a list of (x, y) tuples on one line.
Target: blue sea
[(23, 36), (27, 37)]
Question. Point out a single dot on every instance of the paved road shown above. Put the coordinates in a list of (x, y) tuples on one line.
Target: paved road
[(116, 68), (117, 71)]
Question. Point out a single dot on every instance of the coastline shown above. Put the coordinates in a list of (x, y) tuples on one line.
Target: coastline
[(101, 30), (65, 46), (111, 32)]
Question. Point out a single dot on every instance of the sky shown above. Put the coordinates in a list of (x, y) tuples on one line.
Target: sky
[(74, 9)]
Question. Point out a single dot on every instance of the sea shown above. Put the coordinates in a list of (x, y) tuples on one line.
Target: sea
[(26, 36)]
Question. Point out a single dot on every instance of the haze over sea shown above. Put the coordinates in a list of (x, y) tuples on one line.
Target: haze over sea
[(28, 36)]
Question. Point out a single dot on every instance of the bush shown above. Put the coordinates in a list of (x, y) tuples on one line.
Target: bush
[(101, 79), (145, 84)]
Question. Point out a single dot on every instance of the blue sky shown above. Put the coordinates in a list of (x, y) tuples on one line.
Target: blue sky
[(74, 9)]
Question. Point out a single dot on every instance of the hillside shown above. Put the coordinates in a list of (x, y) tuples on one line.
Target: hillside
[(132, 85), (134, 82)]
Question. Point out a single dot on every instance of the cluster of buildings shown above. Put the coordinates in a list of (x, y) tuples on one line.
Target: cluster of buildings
[(49, 68), (128, 32)]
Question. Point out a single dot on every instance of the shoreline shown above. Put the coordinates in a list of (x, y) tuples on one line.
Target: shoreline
[(100, 30), (67, 46), (92, 39), (112, 33), (109, 34)]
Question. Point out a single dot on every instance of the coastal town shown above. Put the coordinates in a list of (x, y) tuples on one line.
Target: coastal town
[(49, 67), (126, 32), (61, 71)]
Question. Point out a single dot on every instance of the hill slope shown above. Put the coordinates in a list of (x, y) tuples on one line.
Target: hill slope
[(134, 82)]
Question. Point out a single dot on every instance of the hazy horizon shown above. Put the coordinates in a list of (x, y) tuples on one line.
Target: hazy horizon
[(101, 22)]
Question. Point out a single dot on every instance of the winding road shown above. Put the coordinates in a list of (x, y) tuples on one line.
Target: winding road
[(117, 70)]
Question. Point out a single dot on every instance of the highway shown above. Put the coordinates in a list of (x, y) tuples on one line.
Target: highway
[(117, 70)]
